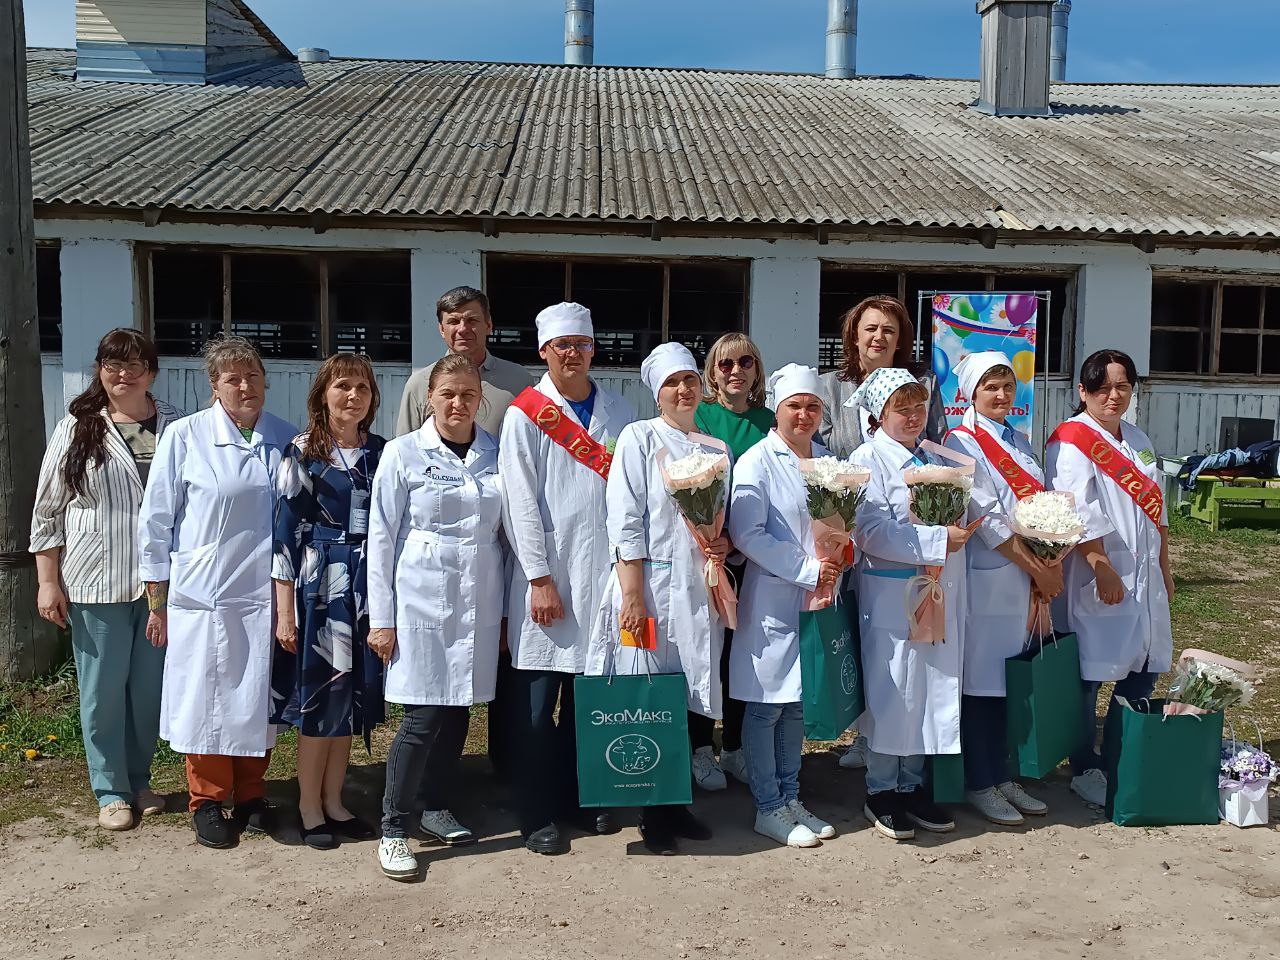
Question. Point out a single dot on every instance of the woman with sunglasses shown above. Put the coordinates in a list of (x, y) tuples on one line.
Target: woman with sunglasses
[(732, 410)]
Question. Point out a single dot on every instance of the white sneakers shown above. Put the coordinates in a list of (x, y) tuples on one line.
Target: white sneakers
[(1012, 791), (706, 772), (992, 805), (1091, 787), (396, 859), (820, 828), (734, 763), (444, 826), (855, 758), (781, 825), (116, 815)]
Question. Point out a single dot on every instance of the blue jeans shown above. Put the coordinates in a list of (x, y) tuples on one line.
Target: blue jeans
[(984, 740), (1135, 686), (120, 675), (773, 738), (888, 772)]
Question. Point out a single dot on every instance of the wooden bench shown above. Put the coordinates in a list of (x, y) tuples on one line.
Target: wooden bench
[(1217, 499)]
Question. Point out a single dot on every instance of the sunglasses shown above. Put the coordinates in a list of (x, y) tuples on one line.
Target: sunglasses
[(742, 363)]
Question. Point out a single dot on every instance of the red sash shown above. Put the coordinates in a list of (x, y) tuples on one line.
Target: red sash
[(1020, 481), (563, 431), (1102, 454)]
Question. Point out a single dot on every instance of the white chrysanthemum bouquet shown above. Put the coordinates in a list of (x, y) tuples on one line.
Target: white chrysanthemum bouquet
[(835, 488), (1207, 683), (1047, 524), (699, 485)]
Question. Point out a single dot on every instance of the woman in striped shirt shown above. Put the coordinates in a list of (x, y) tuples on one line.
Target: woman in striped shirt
[(83, 533)]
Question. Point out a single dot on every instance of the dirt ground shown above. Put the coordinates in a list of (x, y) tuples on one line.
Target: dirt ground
[(1066, 885)]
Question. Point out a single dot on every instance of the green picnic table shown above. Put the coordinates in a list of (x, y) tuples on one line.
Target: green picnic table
[(1219, 499)]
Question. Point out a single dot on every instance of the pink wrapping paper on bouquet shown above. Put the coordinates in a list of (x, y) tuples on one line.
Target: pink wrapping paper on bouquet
[(1039, 617), (925, 600), (1173, 708), (832, 533), (685, 490)]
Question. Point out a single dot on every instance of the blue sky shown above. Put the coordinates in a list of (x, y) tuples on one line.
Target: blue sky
[(1226, 41)]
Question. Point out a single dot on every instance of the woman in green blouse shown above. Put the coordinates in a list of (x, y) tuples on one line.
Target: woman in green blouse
[(732, 411)]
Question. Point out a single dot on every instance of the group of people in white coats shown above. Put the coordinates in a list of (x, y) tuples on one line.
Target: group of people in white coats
[(448, 549)]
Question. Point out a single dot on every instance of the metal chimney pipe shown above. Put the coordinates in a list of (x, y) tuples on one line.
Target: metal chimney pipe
[(1058, 41), (579, 32), (842, 38)]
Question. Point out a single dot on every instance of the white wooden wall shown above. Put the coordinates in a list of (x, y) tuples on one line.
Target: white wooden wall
[(1182, 418)]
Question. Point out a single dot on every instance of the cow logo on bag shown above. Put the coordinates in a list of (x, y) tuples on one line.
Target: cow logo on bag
[(848, 674), (633, 754)]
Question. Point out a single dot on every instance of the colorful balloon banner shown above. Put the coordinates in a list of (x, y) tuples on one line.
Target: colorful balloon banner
[(965, 323)]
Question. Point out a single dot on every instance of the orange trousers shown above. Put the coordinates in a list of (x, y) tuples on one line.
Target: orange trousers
[(219, 778)]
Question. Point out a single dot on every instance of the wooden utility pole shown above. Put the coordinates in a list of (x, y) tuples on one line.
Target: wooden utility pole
[(28, 645)]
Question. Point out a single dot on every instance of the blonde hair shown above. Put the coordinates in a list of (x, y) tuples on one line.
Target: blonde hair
[(221, 353), (711, 389)]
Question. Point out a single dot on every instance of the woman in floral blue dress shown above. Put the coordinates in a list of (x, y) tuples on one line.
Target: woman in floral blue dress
[(325, 680)]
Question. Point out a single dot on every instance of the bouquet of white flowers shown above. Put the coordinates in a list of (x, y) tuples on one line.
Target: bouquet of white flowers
[(938, 494), (699, 484), (1207, 683), (835, 488), (1047, 524)]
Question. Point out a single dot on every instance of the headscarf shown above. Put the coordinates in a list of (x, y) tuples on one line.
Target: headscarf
[(970, 371), (874, 392)]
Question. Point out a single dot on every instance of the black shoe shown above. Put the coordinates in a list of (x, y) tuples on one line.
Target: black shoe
[(596, 821), (684, 824), (547, 841), (887, 814), (924, 813), (318, 838), (353, 828), (658, 837), (211, 827), (255, 816)]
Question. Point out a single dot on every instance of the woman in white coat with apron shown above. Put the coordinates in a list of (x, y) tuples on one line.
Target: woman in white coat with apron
[(912, 689), (769, 524), (1000, 577), (657, 570), (1118, 583), (435, 597), (204, 546)]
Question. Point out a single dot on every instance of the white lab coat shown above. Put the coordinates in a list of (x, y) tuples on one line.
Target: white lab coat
[(555, 521), (769, 524), (436, 567), (999, 590), (912, 689), (206, 527), (1135, 634), (645, 524)]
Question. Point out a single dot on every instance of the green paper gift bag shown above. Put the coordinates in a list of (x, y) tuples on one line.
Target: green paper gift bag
[(1043, 694), (830, 668), (946, 777), (1161, 771), (633, 740)]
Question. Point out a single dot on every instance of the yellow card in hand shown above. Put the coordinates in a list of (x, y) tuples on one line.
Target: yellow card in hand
[(646, 641)]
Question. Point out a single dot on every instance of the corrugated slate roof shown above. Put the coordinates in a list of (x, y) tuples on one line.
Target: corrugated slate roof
[(525, 140)]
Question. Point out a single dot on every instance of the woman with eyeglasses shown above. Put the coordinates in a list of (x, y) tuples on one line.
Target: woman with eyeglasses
[(82, 533), (732, 410)]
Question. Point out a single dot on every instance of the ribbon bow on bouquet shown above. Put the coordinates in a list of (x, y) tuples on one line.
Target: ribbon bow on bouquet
[(1047, 525), (939, 496), (699, 484)]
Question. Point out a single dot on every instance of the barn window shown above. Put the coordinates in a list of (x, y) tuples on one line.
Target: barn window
[(292, 305), (49, 298), (1206, 326), (635, 304)]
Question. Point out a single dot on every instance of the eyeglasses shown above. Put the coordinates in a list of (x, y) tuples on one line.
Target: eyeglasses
[(134, 368), (564, 347), (743, 363)]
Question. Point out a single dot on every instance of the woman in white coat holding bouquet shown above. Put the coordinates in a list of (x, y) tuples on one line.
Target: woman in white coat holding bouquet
[(658, 568), (769, 524), (1118, 581), (1000, 577), (912, 688), (435, 600)]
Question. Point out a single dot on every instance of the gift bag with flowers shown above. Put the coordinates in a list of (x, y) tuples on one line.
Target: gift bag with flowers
[(939, 494), (699, 485), (834, 487), (1245, 776)]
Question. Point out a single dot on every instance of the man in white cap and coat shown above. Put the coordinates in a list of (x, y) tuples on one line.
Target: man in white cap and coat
[(554, 457)]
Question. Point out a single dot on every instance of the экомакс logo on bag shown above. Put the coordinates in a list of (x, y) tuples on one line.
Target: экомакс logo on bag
[(633, 754)]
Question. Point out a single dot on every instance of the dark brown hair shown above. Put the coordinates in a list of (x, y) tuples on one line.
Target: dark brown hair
[(458, 297), (1093, 372), (89, 437), (852, 371), (320, 439)]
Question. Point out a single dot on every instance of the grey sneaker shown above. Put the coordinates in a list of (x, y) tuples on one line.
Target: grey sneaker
[(821, 829), (706, 772), (855, 758), (1012, 791), (444, 826), (1091, 787), (992, 805), (734, 763)]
